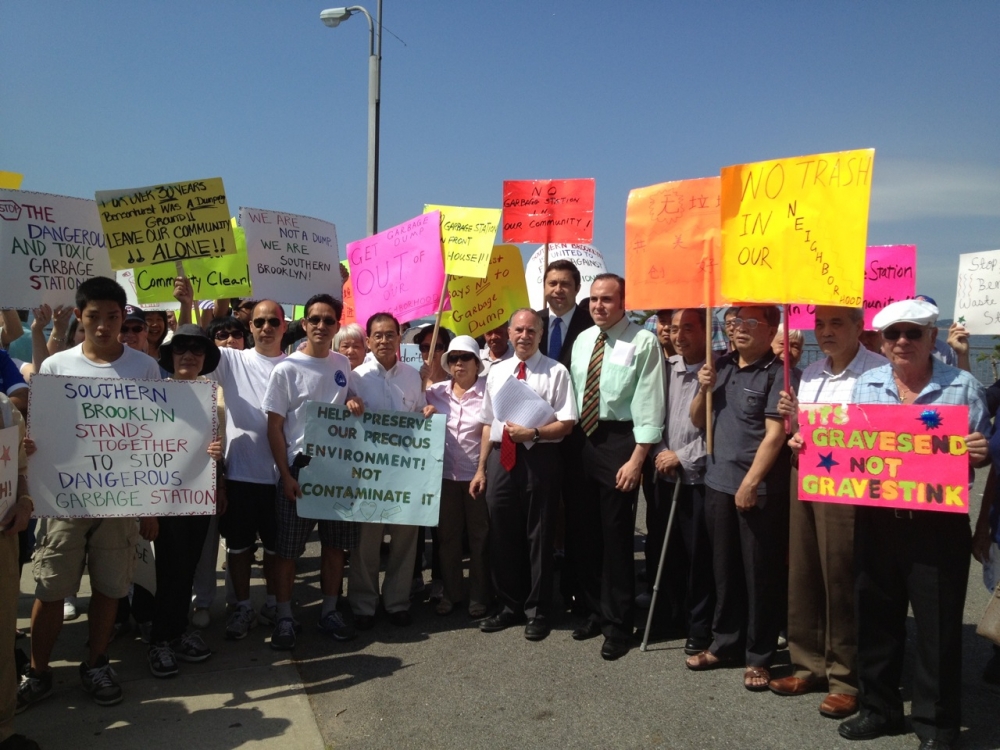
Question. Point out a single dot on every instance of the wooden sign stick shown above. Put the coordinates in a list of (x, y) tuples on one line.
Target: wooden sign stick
[(437, 320), (787, 367)]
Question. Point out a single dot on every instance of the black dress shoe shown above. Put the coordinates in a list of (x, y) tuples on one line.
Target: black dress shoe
[(613, 649), (537, 629), (500, 621), (935, 744), (868, 726), (401, 619), (694, 646), (364, 622), (589, 629)]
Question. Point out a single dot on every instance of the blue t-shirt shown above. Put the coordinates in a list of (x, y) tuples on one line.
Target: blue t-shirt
[(10, 377)]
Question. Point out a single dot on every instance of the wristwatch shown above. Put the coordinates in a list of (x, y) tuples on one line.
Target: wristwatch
[(537, 436)]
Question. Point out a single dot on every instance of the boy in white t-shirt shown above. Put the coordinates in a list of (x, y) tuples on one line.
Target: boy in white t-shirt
[(106, 545), (315, 373)]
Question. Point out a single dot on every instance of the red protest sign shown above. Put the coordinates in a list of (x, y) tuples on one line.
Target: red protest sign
[(548, 210)]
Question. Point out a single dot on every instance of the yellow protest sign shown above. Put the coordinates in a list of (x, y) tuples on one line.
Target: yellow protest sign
[(10, 180), (795, 230), (166, 223), (481, 304), (467, 236), (211, 278)]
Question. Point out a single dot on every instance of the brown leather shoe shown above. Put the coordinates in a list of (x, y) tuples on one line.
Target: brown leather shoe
[(792, 686), (838, 705)]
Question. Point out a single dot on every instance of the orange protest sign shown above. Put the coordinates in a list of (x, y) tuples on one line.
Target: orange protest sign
[(548, 210), (795, 230), (672, 234)]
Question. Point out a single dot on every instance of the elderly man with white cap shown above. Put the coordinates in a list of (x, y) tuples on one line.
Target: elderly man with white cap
[(913, 558), (460, 399)]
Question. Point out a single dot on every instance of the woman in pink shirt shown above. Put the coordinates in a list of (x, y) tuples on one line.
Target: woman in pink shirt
[(460, 400)]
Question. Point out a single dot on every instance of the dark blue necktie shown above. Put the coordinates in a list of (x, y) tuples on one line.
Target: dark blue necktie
[(555, 340)]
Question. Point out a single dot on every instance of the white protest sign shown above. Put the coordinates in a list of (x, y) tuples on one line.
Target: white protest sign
[(50, 244), (586, 258), (410, 354), (123, 447), (127, 280), (291, 257), (9, 438), (381, 467), (977, 300)]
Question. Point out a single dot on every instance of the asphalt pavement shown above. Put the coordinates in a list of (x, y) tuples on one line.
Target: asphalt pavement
[(441, 683)]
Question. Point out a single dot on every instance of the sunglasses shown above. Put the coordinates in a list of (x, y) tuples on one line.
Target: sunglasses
[(315, 320), (196, 348), (911, 334), (463, 357), (273, 322), (137, 328), (438, 347), (224, 335)]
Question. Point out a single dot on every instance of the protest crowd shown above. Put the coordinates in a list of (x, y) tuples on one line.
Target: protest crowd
[(606, 407)]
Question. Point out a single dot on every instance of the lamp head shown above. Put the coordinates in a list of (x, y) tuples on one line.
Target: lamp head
[(333, 16)]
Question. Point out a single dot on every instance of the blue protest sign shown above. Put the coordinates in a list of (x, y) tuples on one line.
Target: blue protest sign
[(381, 467)]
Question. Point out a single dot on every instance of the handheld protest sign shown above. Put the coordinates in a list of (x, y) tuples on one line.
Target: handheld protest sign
[(137, 448), (399, 270), (10, 438), (381, 467), (794, 230), (51, 244), (905, 457), (672, 237), (890, 276), (211, 278), (548, 210), (977, 295), (10, 180), (480, 305), (587, 258), (467, 236), (166, 223), (291, 257)]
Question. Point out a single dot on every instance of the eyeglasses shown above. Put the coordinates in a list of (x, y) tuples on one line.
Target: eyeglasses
[(463, 357), (911, 334), (273, 322), (384, 336), (196, 348), (750, 323), (438, 347), (224, 335), (315, 320), (137, 328)]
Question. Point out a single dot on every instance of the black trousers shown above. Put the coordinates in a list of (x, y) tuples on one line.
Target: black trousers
[(921, 561), (749, 554), (522, 506), (178, 549), (570, 452), (604, 531), (688, 585)]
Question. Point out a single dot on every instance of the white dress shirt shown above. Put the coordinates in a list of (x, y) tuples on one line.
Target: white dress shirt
[(545, 376), (399, 388)]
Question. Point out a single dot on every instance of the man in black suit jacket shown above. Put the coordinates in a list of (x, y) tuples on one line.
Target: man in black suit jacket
[(562, 284)]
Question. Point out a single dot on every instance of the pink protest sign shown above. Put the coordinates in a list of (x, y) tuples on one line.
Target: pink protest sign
[(907, 457), (890, 275), (399, 270)]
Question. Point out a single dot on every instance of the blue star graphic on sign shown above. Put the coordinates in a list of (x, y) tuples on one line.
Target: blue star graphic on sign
[(931, 418), (827, 462)]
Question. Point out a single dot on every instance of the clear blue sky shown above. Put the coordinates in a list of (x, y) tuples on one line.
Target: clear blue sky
[(112, 94)]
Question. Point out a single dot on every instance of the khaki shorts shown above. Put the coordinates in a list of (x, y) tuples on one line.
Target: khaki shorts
[(105, 545)]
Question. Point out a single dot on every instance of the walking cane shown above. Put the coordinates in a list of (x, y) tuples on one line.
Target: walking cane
[(659, 567)]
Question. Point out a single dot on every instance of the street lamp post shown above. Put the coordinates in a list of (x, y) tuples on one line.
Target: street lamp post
[(332, 17)]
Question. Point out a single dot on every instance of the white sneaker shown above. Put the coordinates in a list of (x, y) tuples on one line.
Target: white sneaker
[(200, 618), (69, 608)]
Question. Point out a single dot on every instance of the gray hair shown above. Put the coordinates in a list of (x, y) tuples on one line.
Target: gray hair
[(350, 331), (525, 309)]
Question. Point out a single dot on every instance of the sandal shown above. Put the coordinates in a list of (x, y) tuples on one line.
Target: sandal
[(752, 674), (705, 660)]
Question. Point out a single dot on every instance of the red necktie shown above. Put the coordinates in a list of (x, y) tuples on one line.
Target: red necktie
[(508, 451)]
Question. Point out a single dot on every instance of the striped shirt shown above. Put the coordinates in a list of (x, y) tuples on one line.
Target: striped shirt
[(820, 386)]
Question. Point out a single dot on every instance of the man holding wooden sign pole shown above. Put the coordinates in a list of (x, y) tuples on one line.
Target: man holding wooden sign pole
[(912, 556)]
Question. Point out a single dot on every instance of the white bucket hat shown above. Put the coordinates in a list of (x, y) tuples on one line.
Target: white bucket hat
[(463, 344)]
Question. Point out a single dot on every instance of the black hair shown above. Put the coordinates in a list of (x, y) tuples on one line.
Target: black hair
[(615, 277), (229, 323), (378, 318), (698, 311), (444, 336), (564, 265), (771, 313), (100, 289), (166, 326), (324, 299)]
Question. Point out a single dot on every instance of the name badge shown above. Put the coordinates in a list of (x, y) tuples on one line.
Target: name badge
[(623, 353)]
